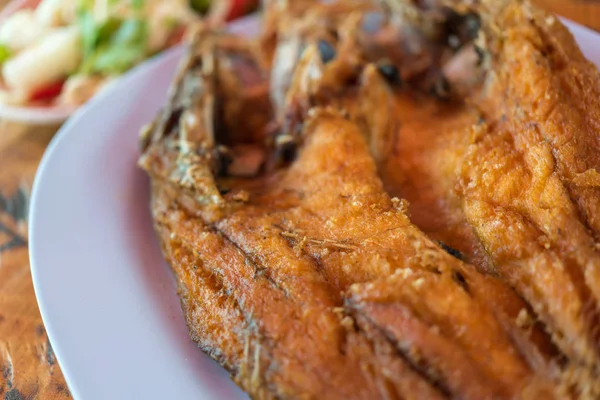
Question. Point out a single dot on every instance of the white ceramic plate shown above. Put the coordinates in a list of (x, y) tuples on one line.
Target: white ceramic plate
[(107, 297)]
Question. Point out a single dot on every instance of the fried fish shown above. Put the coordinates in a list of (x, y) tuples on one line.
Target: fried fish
[(281, 170)]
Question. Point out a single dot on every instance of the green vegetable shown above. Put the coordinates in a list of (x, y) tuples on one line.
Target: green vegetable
[(112, 46), (107, 29), (131, 32), (137, 4), (89, 32), (116, 60), (5, 53), (201, 6), (126, 47)]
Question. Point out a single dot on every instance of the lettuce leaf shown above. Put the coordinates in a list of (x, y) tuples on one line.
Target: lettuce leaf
[(113, 46), (115, 60), (89, 32)]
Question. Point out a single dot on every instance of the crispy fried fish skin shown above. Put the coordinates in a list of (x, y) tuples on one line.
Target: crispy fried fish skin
[(406, 307), (259, 263), (303, 276), (299, 344), (552, 89), (238, 272), (517, 162)]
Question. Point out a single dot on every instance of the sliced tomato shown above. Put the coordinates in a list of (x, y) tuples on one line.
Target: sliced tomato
[(48, 92), (239, 8), (176, 36)]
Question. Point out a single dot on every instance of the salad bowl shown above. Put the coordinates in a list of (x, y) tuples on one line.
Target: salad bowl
[(57, 56), (34, 115)]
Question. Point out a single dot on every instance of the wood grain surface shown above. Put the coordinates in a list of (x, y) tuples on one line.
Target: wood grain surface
[(28, 368)]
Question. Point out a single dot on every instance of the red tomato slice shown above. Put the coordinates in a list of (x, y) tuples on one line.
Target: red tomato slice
[(176, 36), (48, 92), (239, 8)]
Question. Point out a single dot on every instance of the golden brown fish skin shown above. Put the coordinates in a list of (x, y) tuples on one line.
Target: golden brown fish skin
[(523, 176), (375, 308), (550, 94), (201, 293), (259, 295), (543, 73), (506, 305), (430, 140), (499, 190), (372, 254), (563, 126), (250, 230), (263, 276), (425, 168), (393, 305)]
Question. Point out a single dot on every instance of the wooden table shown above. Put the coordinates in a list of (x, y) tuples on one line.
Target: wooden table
[(28, 368)]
